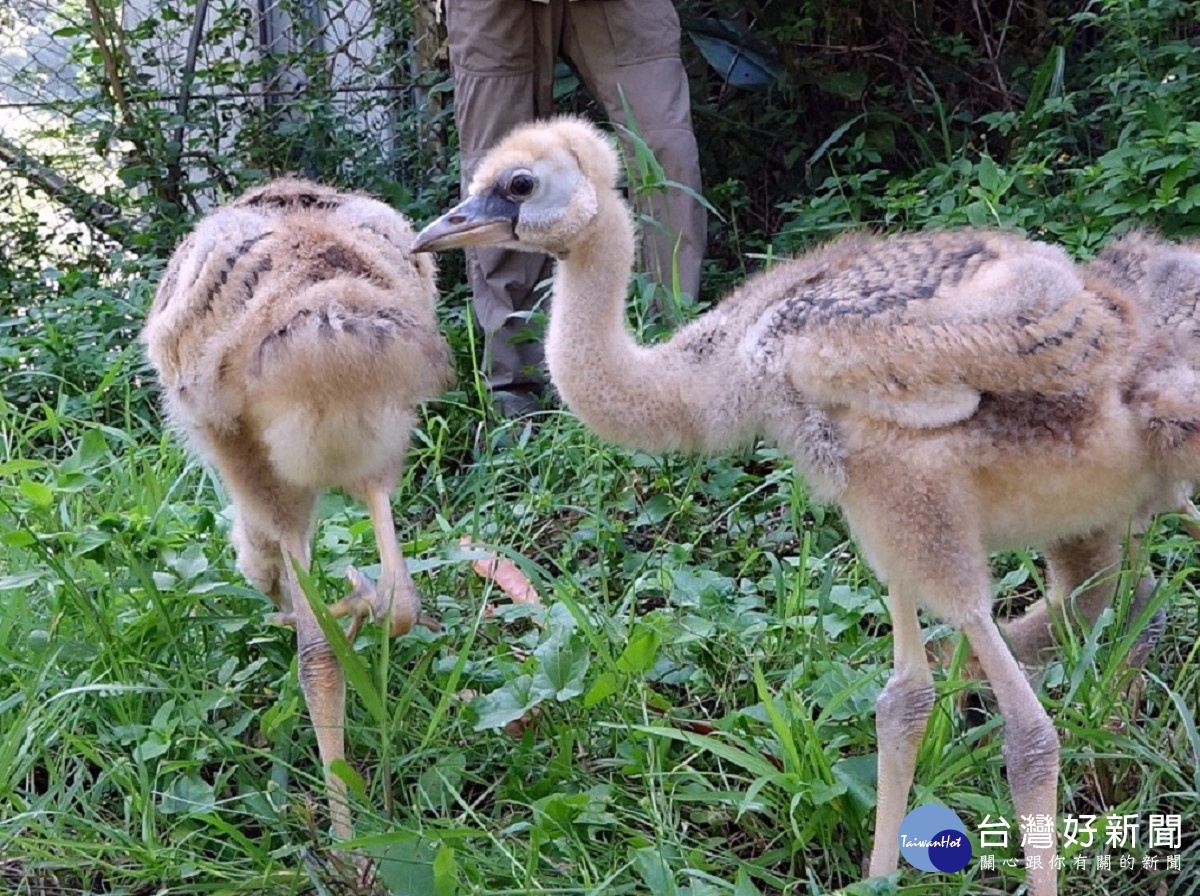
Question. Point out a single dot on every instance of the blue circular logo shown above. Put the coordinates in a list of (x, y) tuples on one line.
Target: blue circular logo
[(933, 838)]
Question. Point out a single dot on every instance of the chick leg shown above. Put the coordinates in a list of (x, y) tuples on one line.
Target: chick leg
[(323, 684), (394, 598), (1148, 638), (1084, 580), (901, 712), (1189, 518), (1083, 573), (1157, 626), (1030, 749)]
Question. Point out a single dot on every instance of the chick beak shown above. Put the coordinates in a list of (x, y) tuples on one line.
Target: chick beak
[(482, 220)]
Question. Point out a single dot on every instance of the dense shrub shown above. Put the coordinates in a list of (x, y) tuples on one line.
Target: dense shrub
[(1102, 140)]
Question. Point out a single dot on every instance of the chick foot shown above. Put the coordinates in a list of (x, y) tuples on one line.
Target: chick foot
[(397, 605)]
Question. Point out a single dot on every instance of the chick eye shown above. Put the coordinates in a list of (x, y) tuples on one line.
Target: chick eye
[(522, 185)]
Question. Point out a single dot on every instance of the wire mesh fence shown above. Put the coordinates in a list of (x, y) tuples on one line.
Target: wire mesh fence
[(120, 121), (178, 103)]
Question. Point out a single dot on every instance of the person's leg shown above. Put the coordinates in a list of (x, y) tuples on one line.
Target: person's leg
[(630, 48), (502, 56)]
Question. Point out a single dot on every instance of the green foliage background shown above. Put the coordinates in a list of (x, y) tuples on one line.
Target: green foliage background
[(698, 688)]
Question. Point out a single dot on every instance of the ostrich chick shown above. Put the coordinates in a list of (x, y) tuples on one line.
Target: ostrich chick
[(953, 392), (1163, 280), (294, 334)]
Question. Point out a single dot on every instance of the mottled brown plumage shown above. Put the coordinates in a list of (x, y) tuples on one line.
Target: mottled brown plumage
[(1163, 281), (294, 334), (953, 392), (1163, 278)]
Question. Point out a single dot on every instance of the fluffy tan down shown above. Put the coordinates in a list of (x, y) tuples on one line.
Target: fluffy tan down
[(294, 335)]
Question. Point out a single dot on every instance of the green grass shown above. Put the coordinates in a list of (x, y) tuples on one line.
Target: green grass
[(698, 687)]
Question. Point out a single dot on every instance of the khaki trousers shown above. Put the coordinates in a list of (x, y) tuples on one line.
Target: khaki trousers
[(503, 53)]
